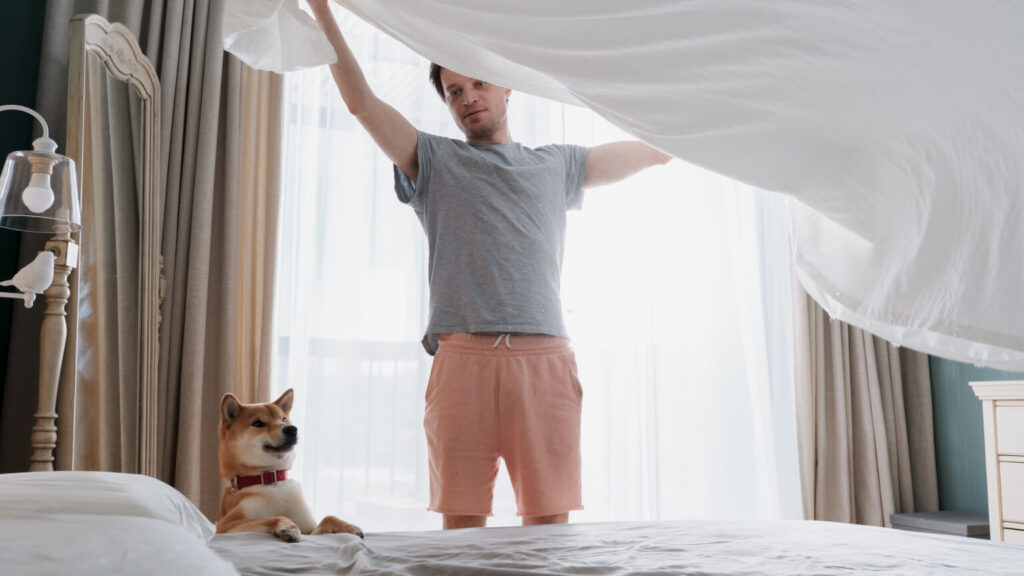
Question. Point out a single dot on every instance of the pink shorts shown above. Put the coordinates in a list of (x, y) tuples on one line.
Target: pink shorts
[(519, 400)]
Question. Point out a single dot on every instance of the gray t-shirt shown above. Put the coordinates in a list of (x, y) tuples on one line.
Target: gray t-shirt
[(494, 216)]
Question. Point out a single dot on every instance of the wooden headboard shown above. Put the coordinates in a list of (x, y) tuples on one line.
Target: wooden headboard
[(101, 55)]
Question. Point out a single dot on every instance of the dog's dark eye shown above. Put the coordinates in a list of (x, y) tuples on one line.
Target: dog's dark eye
[(258, 423), (284, 419)]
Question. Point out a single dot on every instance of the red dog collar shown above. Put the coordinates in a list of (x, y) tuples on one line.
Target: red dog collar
[(263, 478)]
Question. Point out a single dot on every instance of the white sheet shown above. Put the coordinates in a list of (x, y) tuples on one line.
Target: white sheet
[(782, 548), (897, 127)]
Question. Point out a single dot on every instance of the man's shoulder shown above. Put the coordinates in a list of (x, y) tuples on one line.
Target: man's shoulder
[(563, 152), (559, 148), (436, 139)]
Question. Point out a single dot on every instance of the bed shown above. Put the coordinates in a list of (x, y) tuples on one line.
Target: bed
[(113, 523)]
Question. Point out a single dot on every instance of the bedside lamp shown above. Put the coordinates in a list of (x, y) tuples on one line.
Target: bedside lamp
[(38, 188), (39, 193)]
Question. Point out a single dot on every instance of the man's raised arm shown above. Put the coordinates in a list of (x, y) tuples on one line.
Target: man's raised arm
[(395, 136), (609, 163)]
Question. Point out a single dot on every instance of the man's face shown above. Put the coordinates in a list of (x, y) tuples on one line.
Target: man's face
[(478, 108)]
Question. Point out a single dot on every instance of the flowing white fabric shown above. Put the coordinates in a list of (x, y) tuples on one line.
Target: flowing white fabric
[(898, 128), (676, 293)]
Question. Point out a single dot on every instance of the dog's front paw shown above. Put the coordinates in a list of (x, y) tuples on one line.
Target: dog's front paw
[(287, 530), (335, 525)]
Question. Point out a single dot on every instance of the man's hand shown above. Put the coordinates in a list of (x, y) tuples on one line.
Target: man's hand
[(661, 157)]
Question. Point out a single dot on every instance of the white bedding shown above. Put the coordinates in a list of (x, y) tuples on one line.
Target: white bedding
[(101, 523), (131, 524), (897, 126), (784, 548), (48, 544), (99, 493)]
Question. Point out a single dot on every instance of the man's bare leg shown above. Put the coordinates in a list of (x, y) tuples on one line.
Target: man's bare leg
[(452, 521), (549, 519)]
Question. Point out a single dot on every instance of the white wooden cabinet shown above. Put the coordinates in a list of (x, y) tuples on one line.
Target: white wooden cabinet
[(1003, 412)]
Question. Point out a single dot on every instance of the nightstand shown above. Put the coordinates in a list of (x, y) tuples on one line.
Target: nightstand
[(1003, 412)]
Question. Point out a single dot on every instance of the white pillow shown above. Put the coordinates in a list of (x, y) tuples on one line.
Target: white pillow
[(103, 493), (100, 545)]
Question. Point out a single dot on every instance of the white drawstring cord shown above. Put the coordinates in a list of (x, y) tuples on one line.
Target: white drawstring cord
[(508, 340)]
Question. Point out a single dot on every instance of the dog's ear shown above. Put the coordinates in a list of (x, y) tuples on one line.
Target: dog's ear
[(230, 408), (285, 401)]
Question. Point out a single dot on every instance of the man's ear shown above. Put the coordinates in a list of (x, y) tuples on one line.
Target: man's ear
[(230, 408)]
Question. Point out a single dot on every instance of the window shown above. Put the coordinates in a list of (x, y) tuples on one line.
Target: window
[(675, 289)]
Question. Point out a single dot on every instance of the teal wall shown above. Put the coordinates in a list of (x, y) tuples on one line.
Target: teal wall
[(21, 38), (959, 435)]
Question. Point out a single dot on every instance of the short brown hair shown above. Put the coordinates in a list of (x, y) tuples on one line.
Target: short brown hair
[(435, 79)]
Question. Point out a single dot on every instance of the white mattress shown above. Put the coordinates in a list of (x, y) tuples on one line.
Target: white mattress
[(707, 548)]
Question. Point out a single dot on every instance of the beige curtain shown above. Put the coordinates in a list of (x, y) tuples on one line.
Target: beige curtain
[(261, 180), (864, 422), (222, 179), (220, 133)]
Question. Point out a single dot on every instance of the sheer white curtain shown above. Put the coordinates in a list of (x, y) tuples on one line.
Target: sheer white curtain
[(676, 293)]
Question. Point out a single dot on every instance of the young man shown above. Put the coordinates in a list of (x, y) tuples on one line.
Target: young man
[(503, 381)]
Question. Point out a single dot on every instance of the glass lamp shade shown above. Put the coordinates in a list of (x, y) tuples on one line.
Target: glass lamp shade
[(38, 190)]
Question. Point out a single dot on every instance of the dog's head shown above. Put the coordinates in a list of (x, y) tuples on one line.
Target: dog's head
[(255, 437)]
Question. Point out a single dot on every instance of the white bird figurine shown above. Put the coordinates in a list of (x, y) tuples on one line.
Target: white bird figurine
[(37, 276)]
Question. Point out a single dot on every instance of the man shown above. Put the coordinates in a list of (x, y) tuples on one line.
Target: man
[(503, 382)]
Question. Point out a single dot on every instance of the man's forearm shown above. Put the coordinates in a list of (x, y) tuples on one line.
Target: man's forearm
[(610, 163), (348, 75)]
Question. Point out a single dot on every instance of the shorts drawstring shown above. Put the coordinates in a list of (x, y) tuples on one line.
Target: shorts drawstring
[(490, 344), (508, 340)]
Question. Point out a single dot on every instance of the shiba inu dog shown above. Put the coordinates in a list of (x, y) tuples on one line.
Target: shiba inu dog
[(255, 454)]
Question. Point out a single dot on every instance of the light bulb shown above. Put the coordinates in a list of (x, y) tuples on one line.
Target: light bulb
[(38, 195)]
